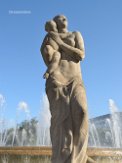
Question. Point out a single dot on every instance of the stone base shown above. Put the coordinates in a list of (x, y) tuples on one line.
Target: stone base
[(108, 159), (43, 154)]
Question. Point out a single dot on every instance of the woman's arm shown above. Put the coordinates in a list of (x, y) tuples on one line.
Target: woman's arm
[(75, 52), (79, 44)]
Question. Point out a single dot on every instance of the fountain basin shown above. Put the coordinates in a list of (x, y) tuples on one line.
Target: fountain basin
[(39, 154)]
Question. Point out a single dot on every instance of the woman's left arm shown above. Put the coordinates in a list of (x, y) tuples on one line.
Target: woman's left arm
[(79, 43), (75, 52)]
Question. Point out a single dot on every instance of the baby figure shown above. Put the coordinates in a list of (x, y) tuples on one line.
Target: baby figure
[(51, 50)]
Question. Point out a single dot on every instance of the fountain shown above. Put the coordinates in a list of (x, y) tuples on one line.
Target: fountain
[(29, 141), (106, 131)]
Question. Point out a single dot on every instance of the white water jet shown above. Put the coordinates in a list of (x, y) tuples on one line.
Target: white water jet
[(94, 135), (115, 122), (103, 132), (5, 159), (3, 123), (22, 109), (43, 125), (109, 124), (45, 112), (106, 131)]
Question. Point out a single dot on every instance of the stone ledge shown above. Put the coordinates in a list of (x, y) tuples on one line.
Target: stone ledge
[(46, 151)]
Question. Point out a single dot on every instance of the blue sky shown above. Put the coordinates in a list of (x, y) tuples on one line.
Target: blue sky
[(22, 67)]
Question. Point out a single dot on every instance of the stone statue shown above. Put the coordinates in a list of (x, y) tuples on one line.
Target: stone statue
[(62, 52)]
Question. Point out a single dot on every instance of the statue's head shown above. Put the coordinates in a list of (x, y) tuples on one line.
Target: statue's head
[(51, 26), (61, 22)]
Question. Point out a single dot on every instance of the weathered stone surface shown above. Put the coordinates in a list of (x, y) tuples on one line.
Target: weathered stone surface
[(62, 52)]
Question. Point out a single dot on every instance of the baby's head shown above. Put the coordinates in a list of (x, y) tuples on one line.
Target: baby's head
[(51, 26)]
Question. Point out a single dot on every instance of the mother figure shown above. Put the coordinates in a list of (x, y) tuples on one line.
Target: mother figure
[(66, 94)]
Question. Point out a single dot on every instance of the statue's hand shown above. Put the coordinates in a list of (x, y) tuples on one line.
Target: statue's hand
[(55, 36)]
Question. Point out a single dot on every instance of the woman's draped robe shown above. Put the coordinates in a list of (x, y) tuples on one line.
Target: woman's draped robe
[(69, 120)]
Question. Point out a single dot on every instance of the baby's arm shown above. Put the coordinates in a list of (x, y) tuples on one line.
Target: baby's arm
[(64, 35)]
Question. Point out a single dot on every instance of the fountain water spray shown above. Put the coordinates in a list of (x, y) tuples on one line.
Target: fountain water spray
[(94, 135), (3, 124), (116, 124), (104, 131), (43, 133)]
